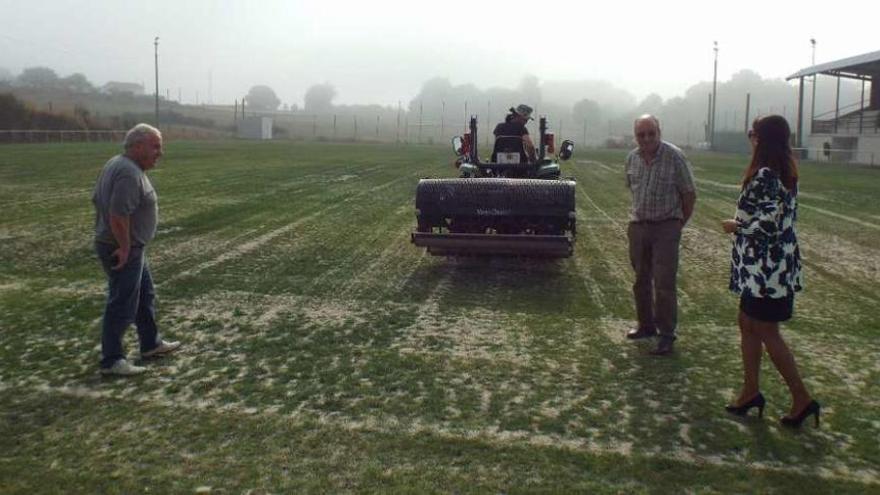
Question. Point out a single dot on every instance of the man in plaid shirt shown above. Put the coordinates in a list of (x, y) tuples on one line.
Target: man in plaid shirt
[(663, 195)]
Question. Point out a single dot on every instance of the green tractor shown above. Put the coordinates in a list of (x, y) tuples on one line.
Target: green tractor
[(506, 206)]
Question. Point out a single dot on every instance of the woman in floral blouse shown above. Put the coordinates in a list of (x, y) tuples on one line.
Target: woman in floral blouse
[(766, 267)]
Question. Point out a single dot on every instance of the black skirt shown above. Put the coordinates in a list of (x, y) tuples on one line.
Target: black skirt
[(767, 309)]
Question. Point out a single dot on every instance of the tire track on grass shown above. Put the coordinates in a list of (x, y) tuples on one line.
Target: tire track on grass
[(380, 265), (250, 246), (355, 253)]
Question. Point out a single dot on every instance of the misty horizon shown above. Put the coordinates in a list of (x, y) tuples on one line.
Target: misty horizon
[(383, 52)]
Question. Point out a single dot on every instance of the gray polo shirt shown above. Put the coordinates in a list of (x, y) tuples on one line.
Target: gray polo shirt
[(123, 189), (657, 188)]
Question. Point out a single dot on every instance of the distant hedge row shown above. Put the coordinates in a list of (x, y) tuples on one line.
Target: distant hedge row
[(16, 114)]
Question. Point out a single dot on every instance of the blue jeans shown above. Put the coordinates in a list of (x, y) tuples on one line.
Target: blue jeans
[(130, 299)]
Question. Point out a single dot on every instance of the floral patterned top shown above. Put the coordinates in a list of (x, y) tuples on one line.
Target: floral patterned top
[(766, 261)]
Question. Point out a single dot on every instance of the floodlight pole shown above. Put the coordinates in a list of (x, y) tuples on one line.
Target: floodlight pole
[(442, 118), (714, 96), (813, 97), (748, 103), (156, 59), (488, 117)]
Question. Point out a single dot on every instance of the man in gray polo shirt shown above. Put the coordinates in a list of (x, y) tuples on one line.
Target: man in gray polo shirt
[(126, 213), (663, 195)]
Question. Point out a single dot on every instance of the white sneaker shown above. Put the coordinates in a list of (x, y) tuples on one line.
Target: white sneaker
[(161, 349), (123, 368)]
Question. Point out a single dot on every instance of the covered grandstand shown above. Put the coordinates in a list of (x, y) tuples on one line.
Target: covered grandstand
[(851, 132)]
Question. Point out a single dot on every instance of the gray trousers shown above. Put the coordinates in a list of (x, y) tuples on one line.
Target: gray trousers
[(653, 253)]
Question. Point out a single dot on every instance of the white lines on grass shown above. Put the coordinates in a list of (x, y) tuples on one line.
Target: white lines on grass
[(592, 286), (839, 216), (721, 185), (823, 211), (45, 199), (601, 165), (254, 244), (242, 249), (602, 212), (343, 178), (383, 268)]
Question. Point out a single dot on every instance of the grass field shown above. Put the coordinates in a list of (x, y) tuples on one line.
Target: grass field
[(325, 353)]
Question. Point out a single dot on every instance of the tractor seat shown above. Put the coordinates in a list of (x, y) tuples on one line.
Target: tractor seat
[(509, 149)]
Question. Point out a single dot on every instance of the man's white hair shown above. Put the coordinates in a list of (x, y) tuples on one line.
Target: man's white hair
[(649, 117), (138, 133)]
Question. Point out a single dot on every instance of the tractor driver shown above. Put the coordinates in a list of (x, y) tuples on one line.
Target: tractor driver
[(511, 136)]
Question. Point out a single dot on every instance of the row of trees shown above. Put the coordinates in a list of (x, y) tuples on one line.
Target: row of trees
[(589, 110), (318, 99), (16, 114), (46, 78)]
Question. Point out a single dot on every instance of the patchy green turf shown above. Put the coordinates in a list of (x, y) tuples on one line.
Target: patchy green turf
[(325, 353)]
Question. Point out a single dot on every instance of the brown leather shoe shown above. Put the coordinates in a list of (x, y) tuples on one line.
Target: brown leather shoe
[(664, 347), (640, 333)]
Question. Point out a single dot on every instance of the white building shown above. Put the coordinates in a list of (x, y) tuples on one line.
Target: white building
[(255, 128), (852, 132)]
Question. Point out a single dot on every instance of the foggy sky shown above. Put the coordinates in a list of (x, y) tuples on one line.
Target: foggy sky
[(382, 51)]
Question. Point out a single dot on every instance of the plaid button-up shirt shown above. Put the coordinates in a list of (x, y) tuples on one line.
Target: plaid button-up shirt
[(657, 188)]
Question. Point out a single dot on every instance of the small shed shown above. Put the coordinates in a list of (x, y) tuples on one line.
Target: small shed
[(255, 128)]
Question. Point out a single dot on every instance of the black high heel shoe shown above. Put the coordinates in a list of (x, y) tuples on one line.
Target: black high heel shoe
[(757, 401), (812, 409)]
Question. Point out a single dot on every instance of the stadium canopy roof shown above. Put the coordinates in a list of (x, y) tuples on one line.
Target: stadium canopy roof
[(863, 67)]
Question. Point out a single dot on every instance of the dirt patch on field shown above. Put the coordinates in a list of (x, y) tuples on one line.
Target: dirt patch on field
[(80, 289), (12, 286), (475, 334), (236, 309), (840, 256)]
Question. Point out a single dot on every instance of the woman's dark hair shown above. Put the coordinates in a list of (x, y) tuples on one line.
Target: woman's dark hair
[(773, 150)]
